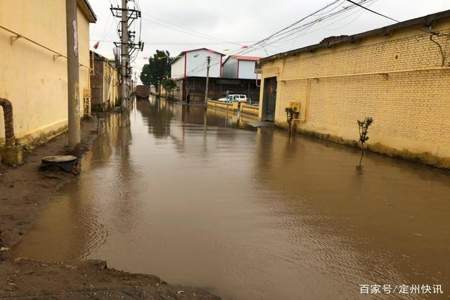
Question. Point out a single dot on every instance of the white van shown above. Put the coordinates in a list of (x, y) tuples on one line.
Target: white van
[(237, 98)]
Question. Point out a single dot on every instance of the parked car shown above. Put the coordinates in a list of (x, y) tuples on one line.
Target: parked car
[(237, 98)]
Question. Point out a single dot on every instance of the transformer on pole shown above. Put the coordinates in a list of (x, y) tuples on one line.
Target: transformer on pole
[(127, 45)]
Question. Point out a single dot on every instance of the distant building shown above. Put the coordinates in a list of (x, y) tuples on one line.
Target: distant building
[(104, 83), (189, 71), (240, 67), (399, 75), (240, 71), (33, 66), (192, 63)]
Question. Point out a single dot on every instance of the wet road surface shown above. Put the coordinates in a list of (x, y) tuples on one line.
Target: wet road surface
[(247, 214)]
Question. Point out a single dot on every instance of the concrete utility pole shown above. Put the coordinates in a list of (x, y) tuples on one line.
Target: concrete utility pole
[(73, 74), (125, 55), (127, 15), (208, 60)]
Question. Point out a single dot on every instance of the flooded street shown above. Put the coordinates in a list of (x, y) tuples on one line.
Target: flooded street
[(246, 213)]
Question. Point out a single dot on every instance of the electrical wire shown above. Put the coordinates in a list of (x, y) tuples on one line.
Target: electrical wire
[(255, 45), (295, 28), (340, 18), (178, 28), (394, 20), (305, 26), (170, 42), (372, 11), (298, 22)]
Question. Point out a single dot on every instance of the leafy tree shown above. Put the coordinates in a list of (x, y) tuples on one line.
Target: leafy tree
[(169, 85), (157, 69)]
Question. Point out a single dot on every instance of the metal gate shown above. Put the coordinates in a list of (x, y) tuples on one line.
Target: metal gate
[(269, 99)]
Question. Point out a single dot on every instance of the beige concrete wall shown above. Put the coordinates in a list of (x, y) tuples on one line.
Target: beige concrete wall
[(30, 77), (249, 109), (83, 44), (398, 80), (234, 107)]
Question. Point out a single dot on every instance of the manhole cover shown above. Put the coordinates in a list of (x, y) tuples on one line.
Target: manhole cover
[(66, 163), (59, 159)]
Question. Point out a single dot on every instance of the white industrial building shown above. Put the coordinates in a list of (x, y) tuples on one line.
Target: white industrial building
[(240, 67), (189, 70), (193, 63)]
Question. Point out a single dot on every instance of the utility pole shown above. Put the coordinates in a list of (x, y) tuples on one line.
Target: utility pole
[(73, 75), (127, 16), (208, 61), (125, 56)]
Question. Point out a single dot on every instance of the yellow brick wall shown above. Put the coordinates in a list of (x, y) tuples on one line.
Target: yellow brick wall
[(398, 80), (30, 77)]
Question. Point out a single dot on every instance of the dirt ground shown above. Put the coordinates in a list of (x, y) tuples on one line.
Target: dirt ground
[(24, 191), (25, 279)]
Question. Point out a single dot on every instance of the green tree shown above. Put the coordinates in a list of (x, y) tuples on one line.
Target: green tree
[(157, 69), (169, 85)]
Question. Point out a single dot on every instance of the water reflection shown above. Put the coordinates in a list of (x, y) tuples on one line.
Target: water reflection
[(248, 214)]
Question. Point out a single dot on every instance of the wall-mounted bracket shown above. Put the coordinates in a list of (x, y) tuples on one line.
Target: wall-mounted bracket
[(14, 38), (56, 56)]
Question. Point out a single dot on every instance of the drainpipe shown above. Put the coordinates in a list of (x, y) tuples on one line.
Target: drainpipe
[(10, 139), (12, 154)]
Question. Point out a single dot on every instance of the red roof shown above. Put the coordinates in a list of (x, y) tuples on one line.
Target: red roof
[(199, 49), (193, 50)]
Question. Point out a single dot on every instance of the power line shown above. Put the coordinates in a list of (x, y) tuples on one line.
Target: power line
[(303, 27), (429, 31), (263, 42), (298, 21), (279, 32), (171, 42), (178, 28), (293, 29), (340, 18), (372, 11)]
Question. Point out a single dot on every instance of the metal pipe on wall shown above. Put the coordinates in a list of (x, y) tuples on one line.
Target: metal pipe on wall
[(10, 139)]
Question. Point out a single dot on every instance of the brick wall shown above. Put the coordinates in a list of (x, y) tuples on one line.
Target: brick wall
[(400, 80)]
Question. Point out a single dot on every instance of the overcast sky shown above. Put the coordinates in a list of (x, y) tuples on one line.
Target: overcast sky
[(226, 26)]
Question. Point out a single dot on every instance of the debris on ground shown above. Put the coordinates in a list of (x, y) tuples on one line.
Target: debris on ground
[(92, 279)]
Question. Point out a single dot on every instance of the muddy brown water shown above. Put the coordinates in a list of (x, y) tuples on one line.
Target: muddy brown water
[(247, 214)]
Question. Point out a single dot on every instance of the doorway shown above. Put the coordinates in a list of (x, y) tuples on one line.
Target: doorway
[(269, 99)]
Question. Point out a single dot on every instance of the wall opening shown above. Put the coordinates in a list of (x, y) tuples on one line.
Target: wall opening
[(269, 99)]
